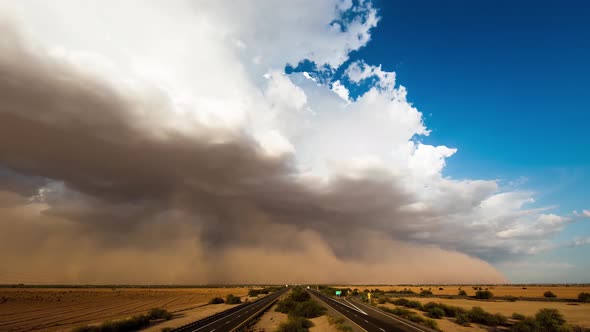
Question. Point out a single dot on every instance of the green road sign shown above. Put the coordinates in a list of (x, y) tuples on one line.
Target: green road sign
[(338, 292)]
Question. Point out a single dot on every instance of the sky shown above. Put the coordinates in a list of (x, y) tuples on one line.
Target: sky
[(369, 142)]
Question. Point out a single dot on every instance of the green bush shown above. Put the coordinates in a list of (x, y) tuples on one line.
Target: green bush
[(549, 319), (416, 318), (518, 316), (295, 324), (253, 292), (286, 306), (435, 312), (431, 323), (549, 294), (462, 293), (308, 309), (299, 294), (480, 316), (449, 311), (232, 299), (425, 293), (462, 319), (216, 300), (584, 297), (126, 325), (483, 294), (159, 313), (401, 301), (511, 298), (414, 305), (528, 324)]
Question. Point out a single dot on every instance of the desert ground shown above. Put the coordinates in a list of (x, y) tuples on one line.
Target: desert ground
[(61, 309), (574, 313), (529, 291)]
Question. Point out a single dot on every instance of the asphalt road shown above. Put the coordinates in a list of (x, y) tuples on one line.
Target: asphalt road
[(368, 318), (232, 318)]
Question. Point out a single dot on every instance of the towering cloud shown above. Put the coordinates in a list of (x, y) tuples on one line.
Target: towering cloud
[(149, 143)]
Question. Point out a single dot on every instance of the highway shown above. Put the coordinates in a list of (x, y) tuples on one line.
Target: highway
[(368, 318), (232, 319)]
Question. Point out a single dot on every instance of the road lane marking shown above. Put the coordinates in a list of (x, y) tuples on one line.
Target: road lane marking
[(357, 308), (217, 320), (392, 317), (382, 329)]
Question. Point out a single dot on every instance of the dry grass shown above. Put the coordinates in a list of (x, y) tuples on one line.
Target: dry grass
[(61, 309), (518, 291)]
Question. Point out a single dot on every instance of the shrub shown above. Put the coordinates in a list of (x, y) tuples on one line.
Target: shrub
[(440, 288), (286, 306), (425, 293), (462, 319), (299, 294), (549, 294), (550, 319), (462, 293), (528, 324), (295, 324), (382, 301), (414, 305), (518, 316), (584, 297), (253, 292), (480, 316), (216, 300), (431, 323), (308, 309), (435, 312), (511, 298), (416, 318), (483, 294), (159, 313), (401, 301), (232, 299)]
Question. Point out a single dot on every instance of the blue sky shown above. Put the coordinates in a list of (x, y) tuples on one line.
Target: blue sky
[(505, 82)]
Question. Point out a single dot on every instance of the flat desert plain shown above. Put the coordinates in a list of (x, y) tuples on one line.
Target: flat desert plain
[(530, 291), (61, 309)]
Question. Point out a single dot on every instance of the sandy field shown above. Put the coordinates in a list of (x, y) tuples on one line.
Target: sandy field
[(570, 292), (61, 309), (446, 324), (322, 324), (270, 321), (579, 313)]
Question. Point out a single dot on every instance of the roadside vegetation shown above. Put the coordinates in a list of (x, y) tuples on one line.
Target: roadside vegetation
[(216, 300), (130, 324), (232, 299), (545, 320), (266, 290), (410, 315), (339, 323), (584, 297), (300, 307)]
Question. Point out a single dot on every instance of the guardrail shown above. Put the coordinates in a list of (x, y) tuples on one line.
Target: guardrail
[(207, 320), (212, 318), (245, 324)]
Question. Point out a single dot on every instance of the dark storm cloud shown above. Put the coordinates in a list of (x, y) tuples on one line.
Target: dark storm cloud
[(121, 187)]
